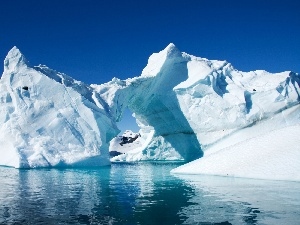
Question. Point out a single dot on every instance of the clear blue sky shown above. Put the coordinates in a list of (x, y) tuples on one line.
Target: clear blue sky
[(95, 40)]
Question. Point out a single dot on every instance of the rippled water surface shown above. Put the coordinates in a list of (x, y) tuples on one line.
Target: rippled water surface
[(142, 193)]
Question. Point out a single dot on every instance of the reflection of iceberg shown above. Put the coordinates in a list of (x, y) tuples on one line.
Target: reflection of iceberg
[(55, 196), (140, 193), (241, 201)]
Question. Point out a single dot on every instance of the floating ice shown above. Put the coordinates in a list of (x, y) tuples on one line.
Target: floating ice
[(243, 122)]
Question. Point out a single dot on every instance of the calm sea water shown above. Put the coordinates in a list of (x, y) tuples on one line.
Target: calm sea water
[(142, 193)]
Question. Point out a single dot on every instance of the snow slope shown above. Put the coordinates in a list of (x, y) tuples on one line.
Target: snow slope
[(48, 119), (268, 150)]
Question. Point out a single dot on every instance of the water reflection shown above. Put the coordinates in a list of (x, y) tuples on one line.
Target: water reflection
[(152, 195), (242, 201), (50, 196), (122, 194), (142, 193)]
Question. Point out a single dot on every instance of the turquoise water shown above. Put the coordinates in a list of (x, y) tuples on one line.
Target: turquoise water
[(142, 193)]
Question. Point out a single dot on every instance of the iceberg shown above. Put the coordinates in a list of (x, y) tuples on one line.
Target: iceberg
[(245, 124), (205, 112), (187, 106), (48, 119)]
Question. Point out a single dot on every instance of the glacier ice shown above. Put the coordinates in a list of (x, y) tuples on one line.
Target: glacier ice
[(48, 119)]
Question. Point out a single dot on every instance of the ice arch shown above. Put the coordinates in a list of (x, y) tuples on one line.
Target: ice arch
[(166, 131)]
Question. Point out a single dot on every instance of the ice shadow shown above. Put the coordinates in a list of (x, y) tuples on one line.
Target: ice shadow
[(248, 100), (220, 84)]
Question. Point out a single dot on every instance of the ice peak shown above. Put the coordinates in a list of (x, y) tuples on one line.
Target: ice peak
[(172, 50), (14, 59), (170, 46), (157, 60)]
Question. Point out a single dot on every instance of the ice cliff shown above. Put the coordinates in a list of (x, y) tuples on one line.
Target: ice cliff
[(48, 119)]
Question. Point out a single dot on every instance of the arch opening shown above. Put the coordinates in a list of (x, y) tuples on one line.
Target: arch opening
[(129, 137), (128, 122)]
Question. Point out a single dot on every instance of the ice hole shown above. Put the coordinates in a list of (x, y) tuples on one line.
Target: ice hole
[(128, 122), (125, 141)]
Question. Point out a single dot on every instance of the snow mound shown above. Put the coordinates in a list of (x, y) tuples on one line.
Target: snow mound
[(48, 119)]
